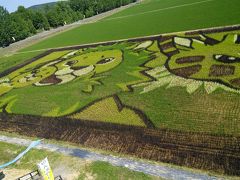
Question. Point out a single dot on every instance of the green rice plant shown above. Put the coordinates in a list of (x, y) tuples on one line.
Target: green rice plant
[(110, 110), (144, 19), (136, 83)]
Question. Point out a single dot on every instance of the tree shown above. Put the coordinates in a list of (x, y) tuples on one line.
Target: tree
[(89, 12), (40, 21), (3, 13), (54, 19), (5, 36), (80, 5), (66, 14), (19, 27), (25, 22), (28, 16)]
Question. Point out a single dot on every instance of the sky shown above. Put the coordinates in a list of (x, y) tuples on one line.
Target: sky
[(12, 5)]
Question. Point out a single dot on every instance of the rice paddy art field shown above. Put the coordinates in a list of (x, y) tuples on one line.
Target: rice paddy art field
[(173, 98), (179, 82)]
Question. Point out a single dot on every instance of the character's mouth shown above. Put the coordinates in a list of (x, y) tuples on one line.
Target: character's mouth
[(82, 70), (66, 75)]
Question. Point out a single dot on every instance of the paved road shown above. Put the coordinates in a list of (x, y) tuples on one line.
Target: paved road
[(147, 168)]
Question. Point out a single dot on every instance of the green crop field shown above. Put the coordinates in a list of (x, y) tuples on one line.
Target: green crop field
[(181, 82), (148, 18)]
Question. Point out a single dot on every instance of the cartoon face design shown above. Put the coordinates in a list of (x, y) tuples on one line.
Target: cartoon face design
[(81, 66), (201, 61), (62, 70)]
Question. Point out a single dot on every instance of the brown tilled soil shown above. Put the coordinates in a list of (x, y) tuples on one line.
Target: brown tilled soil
[(166, 38), (203, 151), (186, 71), (172, 53), (51, 79), (167, 45), (221, 70), (190, 59), (236, 82), (214, 30)]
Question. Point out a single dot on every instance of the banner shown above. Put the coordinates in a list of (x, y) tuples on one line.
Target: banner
[(45, 170), (32, 145)]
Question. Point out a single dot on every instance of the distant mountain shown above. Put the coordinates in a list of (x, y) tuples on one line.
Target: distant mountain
[(42, 7)]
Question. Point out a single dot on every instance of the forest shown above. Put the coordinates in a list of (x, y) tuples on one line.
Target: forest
[(26, 22)]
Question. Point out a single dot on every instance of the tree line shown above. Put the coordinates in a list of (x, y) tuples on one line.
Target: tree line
[(27, 22)]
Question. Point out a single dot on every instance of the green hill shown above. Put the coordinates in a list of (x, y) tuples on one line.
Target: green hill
[(41, 7)]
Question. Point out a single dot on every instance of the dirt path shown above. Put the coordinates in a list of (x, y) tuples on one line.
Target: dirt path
[(147, 168), (46, 34)]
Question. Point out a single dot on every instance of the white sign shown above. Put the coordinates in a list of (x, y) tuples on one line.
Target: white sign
[(45, 170)]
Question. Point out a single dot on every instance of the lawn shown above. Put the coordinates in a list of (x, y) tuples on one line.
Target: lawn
[(60, 164), (105, 171), (149, 18), (66, 166)]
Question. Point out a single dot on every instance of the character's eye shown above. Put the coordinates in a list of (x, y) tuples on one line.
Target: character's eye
[(70, 63), (106, 60), (226, 58)]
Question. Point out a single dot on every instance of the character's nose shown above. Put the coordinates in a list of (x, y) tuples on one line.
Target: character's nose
[(83, 70), (70, 63), (105, 60), (64, 71)]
